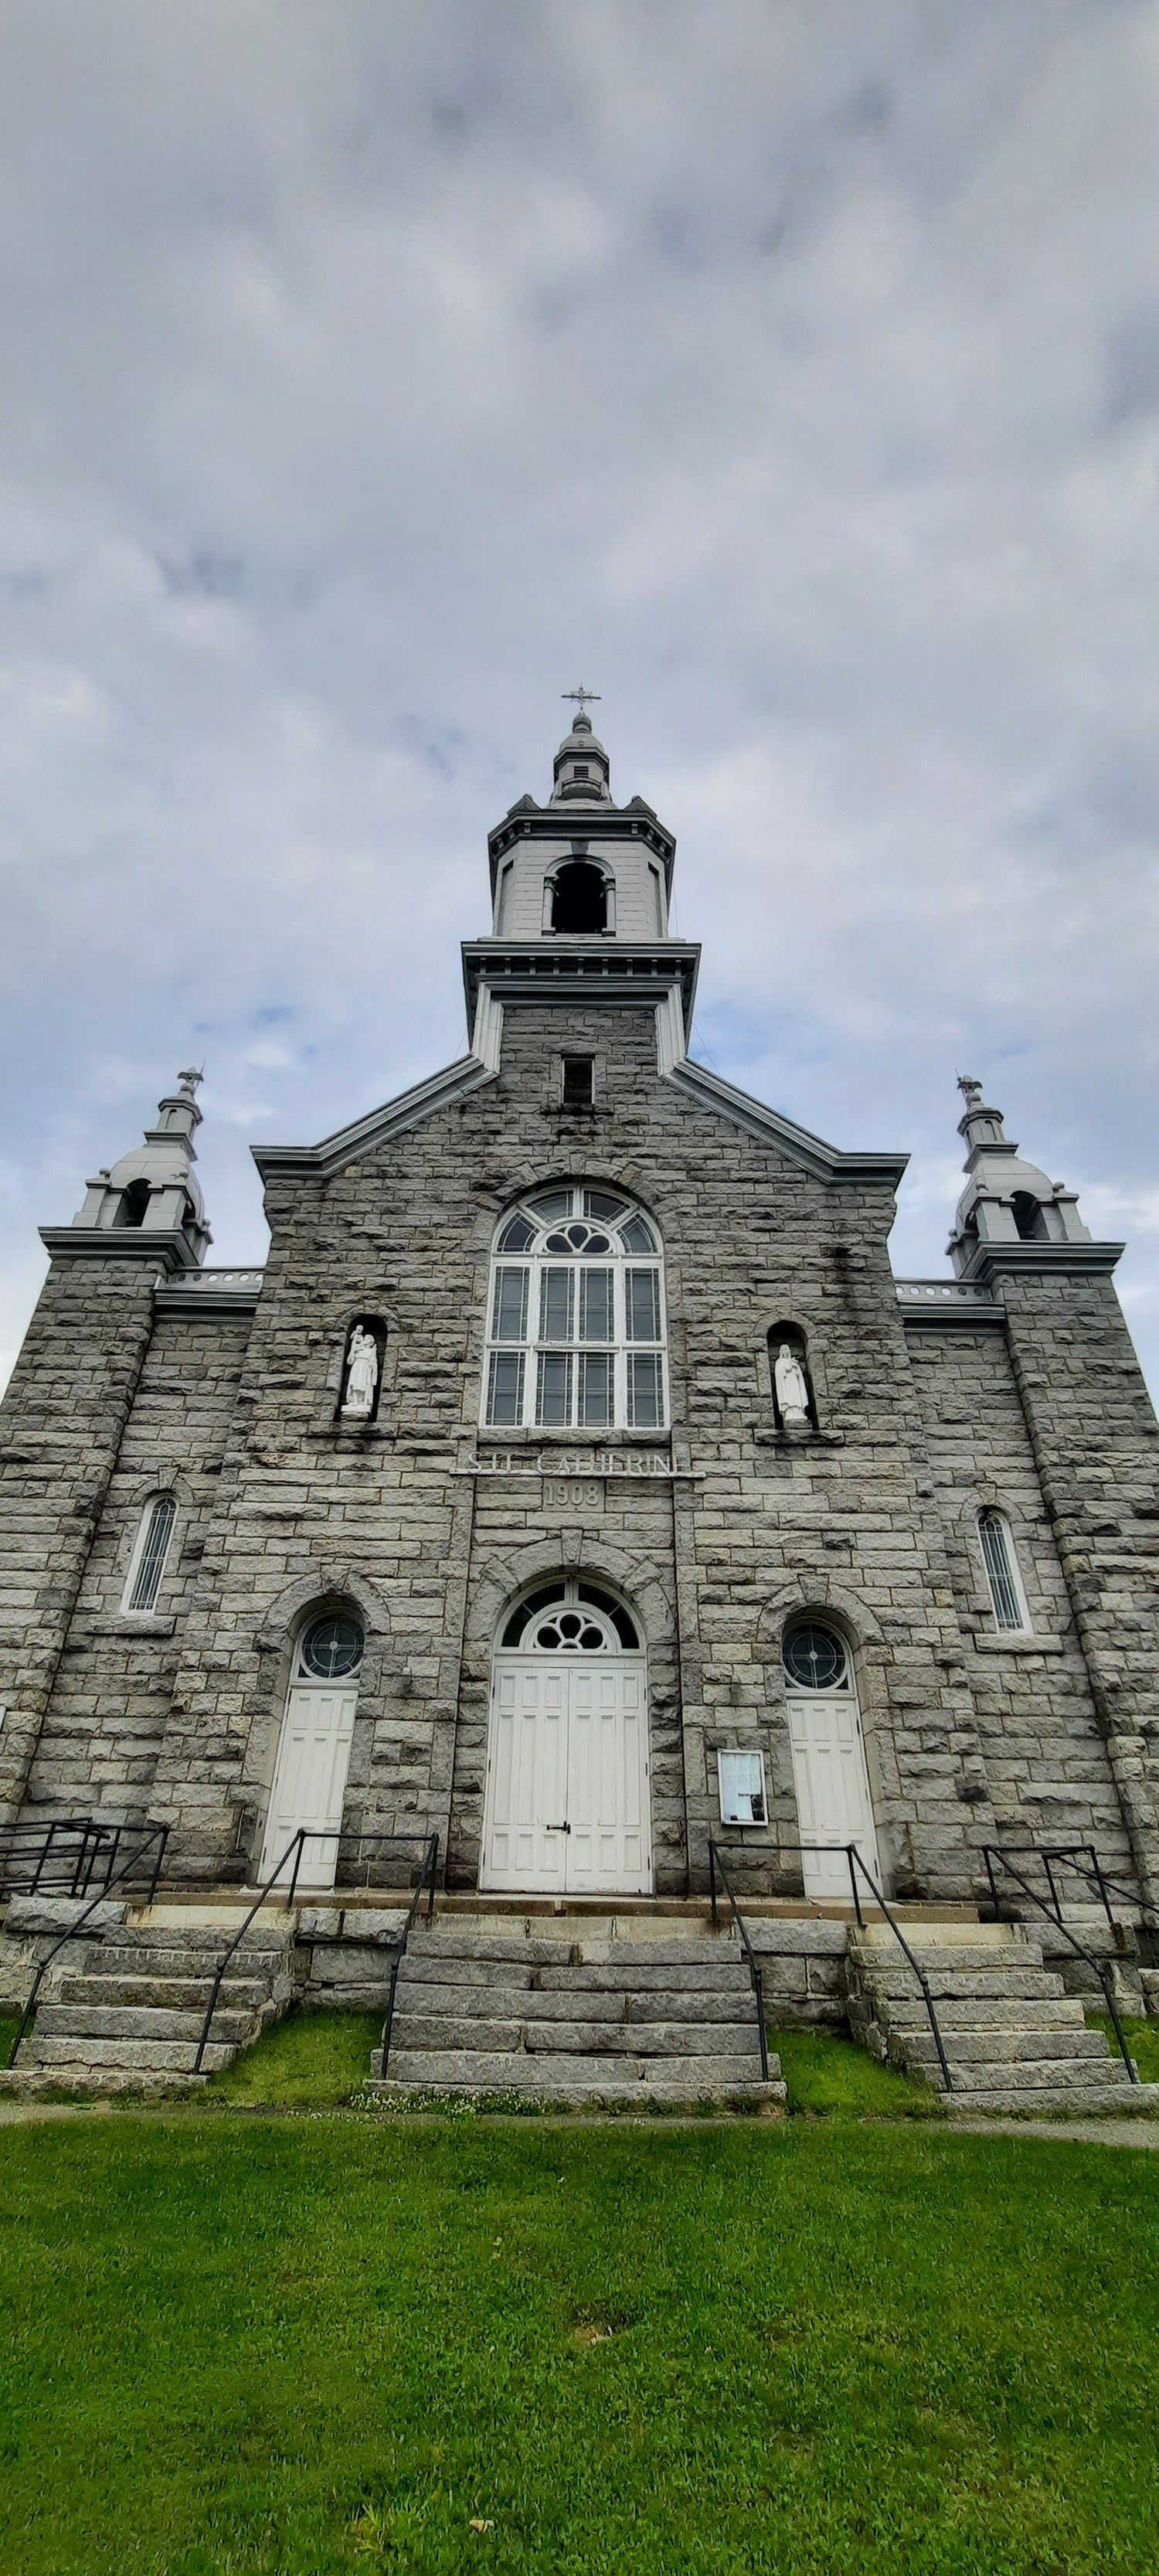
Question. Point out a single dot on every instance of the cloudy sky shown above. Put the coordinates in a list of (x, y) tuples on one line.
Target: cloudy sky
[(788, 372)]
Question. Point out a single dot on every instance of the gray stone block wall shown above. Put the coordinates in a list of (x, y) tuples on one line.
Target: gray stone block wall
[(98, 1747), (1095, 1443), (291, 1508), (1045, 1752), (61, 1423)]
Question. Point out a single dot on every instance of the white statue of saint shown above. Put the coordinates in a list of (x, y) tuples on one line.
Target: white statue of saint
[(792, 1389), (361, 1374)]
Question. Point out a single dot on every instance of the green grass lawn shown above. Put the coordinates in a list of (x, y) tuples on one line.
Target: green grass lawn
[(1142, 2038), (825, 2072), (293, 2347), (313, 2058)]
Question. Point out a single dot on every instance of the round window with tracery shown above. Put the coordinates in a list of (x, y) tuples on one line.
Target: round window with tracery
[(332, 1647), (815, 1659)]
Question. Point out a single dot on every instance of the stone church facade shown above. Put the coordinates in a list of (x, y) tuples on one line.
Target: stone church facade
[(576, 1481)]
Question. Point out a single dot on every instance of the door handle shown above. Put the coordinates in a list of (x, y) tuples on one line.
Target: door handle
[(557, 1829)]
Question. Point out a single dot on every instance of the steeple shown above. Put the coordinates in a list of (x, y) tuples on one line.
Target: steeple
[(152, 1190), (582, 768), (580, 890), (1006, 1200)]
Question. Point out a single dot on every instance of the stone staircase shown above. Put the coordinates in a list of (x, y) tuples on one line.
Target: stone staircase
[(1015, 2040), (124, 2012), (577, 2009)]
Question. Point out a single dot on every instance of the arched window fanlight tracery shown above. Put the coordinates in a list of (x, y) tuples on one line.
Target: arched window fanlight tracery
[(575, 1315), (570, 1615)]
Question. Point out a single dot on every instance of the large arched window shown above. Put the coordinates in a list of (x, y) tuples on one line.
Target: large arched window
[(575, 1318)]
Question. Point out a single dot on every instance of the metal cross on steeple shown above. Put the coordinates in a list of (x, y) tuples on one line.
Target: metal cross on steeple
[(586, 697)]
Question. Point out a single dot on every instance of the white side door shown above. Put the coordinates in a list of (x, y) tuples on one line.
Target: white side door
[(608, 1809), (310, 1777), (832, 1786), (524, 1844), (567, 1807)]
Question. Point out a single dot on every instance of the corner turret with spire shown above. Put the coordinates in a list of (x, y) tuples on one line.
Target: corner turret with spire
[(1006, 1200), (152, 1193)]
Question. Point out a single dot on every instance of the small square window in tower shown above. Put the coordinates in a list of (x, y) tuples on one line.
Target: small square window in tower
[(578, 1089)]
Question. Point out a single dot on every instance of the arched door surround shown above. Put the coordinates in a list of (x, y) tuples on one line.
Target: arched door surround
[(567, 1809), (314, 1742), (829, 1768)]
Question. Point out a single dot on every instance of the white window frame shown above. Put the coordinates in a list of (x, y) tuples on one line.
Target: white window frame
[(532, 1347), (148, 1610), (726, 1800), (1004, 1627)]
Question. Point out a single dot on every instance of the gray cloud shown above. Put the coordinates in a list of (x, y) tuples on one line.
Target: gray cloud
[(369, 376)]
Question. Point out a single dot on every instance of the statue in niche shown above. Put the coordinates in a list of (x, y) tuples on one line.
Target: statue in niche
[(361, 1376), (792, 1389)]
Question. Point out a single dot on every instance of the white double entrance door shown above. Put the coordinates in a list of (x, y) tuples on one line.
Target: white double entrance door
[(310, 1778), (832, 1786), (567, 1806)]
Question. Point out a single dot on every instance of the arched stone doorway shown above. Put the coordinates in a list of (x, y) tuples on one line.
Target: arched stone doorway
[(829, 1767), (567, 1809), (314, 1741)]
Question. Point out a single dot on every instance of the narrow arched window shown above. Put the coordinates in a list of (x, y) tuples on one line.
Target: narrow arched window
[(579, 899), (134, 1205), (1007, 1598), (575, 1321), (154, 1539), (1029, 1220)]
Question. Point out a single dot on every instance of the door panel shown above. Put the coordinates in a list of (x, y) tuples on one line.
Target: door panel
[(579, 1760), (310, 1778), (832, 1790), (528, 1784)]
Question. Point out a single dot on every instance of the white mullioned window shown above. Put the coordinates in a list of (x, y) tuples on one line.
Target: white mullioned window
[(575, 1317), (1007, 1597), (153, 1542)]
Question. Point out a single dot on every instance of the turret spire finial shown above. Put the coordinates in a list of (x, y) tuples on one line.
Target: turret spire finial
[(582, 697)]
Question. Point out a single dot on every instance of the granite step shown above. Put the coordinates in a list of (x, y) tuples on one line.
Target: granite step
[(575, 2038), (481, 2070), (564, 2002), (188, 1994), (113, 2021), (169, 2056)]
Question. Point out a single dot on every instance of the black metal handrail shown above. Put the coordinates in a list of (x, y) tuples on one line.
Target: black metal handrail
[(56, 1855), (716, 1869), (854, 1862), (294, 1849), (1103, 1880), (158, 1836), (992, 1852), (426, 1878)]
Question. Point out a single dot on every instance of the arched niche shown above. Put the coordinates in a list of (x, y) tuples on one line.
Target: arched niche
[(791, 1337), (360, 1385)]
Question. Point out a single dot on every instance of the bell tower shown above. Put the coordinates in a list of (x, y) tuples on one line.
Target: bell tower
[(580, 893)]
